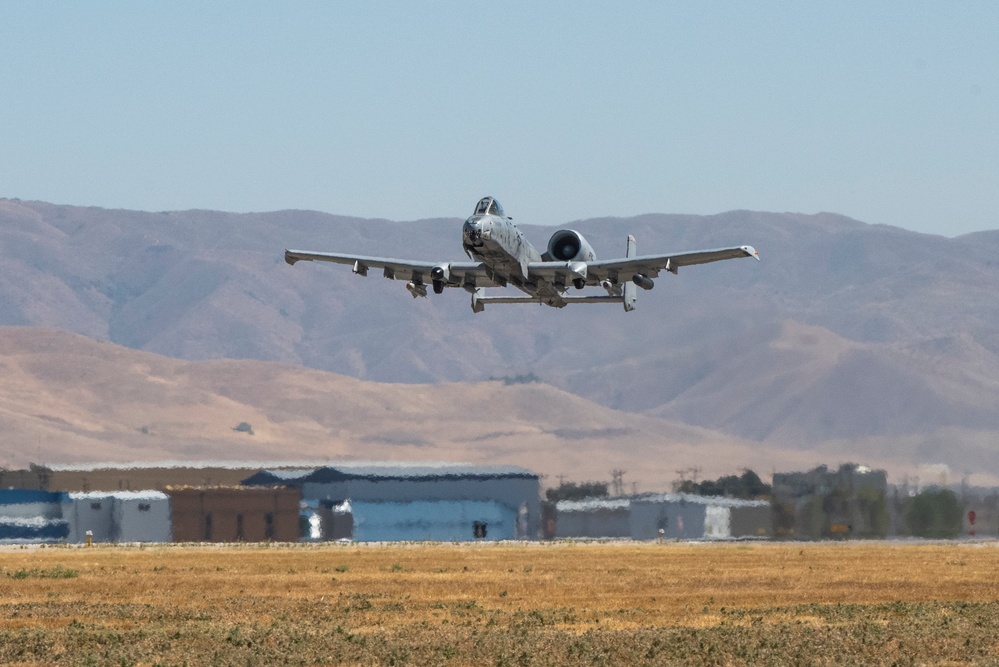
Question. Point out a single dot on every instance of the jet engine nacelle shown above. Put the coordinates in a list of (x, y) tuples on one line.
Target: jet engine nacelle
[(567, 245), (439, 275), (441, 272)]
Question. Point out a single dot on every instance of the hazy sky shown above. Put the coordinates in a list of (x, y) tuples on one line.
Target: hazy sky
[(887, 112)]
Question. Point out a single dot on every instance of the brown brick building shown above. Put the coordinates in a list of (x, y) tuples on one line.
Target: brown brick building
[(228, 514)]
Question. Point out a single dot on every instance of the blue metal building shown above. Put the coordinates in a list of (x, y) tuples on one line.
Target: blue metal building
[(32, 516), (417, 501)]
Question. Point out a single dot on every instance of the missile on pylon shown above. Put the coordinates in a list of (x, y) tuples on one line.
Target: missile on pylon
[(416, 289)]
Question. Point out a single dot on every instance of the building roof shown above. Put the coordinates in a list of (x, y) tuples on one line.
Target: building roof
[(597, 504), (149, 465), (119, 495), (21, 496), (357, 467), (593, 504), (384, 471), (716, 501)]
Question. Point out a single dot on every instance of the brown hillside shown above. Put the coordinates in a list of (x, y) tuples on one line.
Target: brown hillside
[(67, 398), (849, 341)]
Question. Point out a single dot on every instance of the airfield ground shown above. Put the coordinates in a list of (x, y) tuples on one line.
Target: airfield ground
[(502, 604)]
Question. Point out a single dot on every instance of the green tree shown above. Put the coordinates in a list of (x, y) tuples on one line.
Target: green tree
[(783, 519), (935, 514), (754, 487), (747, 486), (873, 508), (573, 491)]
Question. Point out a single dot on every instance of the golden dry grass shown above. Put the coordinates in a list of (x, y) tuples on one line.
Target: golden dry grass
[(531, 604)]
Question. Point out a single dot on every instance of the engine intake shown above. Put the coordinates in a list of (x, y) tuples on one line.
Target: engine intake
[(567, 245)]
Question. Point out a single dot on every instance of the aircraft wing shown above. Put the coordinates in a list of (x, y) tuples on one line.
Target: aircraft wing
[(651, 265), (460, 274)]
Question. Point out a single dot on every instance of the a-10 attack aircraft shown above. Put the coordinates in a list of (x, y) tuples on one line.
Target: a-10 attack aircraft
[(502, 256)]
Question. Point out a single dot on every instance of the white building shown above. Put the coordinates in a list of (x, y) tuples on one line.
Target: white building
[(684, 516), (121, 516), (673, 516)]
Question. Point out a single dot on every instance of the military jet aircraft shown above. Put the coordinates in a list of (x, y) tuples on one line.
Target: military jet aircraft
[(501, 256)]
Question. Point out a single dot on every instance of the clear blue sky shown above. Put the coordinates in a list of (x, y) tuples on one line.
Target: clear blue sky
[(886, 112)]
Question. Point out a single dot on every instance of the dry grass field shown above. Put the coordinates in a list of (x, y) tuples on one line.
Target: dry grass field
[(502, 604)]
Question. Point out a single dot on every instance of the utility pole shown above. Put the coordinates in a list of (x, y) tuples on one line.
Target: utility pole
[(617, 475), (682, 474)]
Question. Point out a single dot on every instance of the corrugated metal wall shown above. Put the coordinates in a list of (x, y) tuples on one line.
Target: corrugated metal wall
[(32, 516), (440, 521), (595, 523), (679, 519), (509, 492)]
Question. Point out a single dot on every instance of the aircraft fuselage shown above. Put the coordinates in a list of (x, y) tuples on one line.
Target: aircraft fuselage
[(491, 238)]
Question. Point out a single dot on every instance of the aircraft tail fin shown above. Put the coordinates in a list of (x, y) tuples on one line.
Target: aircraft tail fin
[(630, 289)]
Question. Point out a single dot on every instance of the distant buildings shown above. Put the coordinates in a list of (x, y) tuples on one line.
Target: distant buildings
[(221, 502), (391, 501), (672, 516), (411, 501), (822, 503)]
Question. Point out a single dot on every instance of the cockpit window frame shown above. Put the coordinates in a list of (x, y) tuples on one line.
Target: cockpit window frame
[(489, 206)]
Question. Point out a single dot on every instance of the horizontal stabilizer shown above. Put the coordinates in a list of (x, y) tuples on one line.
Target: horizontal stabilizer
[(479, 300)]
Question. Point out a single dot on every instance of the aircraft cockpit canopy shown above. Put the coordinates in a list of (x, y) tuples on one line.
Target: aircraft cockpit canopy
[(489, 206)]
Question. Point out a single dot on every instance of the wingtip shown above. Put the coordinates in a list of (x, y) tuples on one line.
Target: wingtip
[(290, 257), (751, 252)]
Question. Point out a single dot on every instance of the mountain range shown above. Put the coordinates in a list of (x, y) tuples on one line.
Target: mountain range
[(848, 341)]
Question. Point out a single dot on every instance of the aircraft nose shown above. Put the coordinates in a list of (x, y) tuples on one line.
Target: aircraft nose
[(472, 231)]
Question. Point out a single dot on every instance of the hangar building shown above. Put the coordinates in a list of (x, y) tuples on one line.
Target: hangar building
[(416, 501)]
